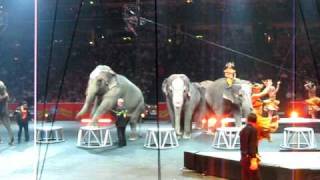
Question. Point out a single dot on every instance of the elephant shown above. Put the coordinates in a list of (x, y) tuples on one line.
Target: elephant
[(4, 111), (236, 99), (183, 100), (104, 88)]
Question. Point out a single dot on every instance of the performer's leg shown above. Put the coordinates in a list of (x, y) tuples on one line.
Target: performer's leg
[(26, 131), (254, 175), (19, 132), (124, 136), (120, 141)]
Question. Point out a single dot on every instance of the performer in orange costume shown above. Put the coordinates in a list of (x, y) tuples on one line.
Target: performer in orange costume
[(313, 102), (265, 125), (271, 104)]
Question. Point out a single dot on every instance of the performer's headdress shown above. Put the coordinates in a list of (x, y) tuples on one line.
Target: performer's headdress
[(229, 68), (266, 80), (256, 87)]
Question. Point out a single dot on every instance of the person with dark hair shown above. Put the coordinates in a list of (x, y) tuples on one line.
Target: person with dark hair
[(249, 149), (23, 117), (121, 122)]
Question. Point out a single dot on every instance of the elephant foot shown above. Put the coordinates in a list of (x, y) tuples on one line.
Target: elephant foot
[(179, 133), (187, 136), (11, 142), (133, 137)]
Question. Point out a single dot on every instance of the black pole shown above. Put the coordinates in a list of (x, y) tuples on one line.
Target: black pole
[(157, 80)]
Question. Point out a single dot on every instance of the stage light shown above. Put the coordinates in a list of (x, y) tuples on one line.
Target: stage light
[(188, 1), (199, 36), (269, 38), (126, 38), (224, 122), (211, 122), (85, 120), (203, 121), (107, 120), (91, 2), (142, 115), (46, 115), (102, 37), (169, 40), (91, 42), (294, 114)]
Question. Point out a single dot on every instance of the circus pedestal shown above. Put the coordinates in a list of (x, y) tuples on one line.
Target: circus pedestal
[(49, 134), (94, 137)]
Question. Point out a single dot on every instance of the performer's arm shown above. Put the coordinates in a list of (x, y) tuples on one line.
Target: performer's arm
[(278, 86), (262, 93)]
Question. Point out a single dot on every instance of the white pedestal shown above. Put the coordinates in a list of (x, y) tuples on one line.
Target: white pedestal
[(167, 138), (49, 134), (298, 138), (227, 138), (94, 137)]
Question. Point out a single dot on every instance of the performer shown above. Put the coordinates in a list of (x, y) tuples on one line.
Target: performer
[(257, 103), (271, 104), (4, 112), (121, 115), (249, 150), (313, 101), (229, 73), (265, 125), (23, 117)]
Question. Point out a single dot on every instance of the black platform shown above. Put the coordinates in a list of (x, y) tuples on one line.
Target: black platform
[(274, 165)]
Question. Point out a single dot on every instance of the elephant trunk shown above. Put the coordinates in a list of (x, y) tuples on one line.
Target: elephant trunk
[(90, 97), (177, 117)]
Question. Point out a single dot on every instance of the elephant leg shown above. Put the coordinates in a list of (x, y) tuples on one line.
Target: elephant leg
[(237, 117), (6, 124), (188, 112), (106, 105), (171, 114), (199, 115), (134, 120), (187, 123)]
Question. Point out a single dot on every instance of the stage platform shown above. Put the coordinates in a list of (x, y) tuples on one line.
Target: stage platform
[(274, 165), (133, 161), (289, 122)]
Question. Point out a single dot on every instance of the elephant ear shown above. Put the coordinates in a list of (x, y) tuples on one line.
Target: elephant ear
[(164, 86), (187, 83), (113, 81)]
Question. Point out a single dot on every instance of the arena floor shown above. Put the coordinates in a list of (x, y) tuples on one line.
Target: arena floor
[(65, 160)]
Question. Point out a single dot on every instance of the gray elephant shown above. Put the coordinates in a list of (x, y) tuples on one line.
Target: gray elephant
[(183, 101), (236, 99), (4, 112), (105, 87)]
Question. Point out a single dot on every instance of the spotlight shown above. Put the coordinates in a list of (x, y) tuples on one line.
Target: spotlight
[(107, 120), (169, 40), (91, 42), (211, 122), (199, 36), (91, 2), (142, 115), (126, 38), (294, 114), (188, 1)]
